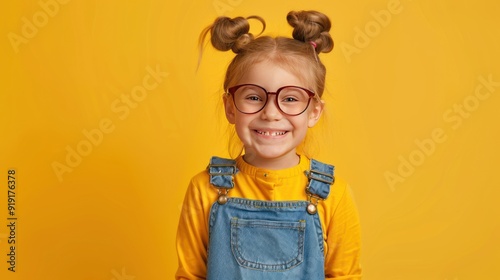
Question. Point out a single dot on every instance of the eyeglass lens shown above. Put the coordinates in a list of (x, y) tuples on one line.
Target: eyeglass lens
[(291, 100)]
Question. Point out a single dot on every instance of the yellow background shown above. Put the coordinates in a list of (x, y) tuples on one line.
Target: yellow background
[(114, 216)]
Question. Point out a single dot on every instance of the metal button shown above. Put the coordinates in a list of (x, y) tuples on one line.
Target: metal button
[(311, 209), (222, 199)]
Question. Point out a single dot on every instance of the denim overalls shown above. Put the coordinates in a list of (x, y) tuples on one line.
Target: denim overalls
[(255, 239)]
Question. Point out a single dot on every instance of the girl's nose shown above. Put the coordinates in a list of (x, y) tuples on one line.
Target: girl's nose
[(271, 111)]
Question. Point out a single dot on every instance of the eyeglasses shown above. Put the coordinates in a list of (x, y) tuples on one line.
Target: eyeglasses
[(290, 100)]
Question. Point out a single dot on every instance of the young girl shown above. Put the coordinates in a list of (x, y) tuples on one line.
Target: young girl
[(272, 213)]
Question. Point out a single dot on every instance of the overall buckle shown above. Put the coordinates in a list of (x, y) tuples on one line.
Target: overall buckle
[(320, 180), (221, 172)]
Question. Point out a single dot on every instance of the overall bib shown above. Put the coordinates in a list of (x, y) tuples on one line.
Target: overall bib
[(255, 239)]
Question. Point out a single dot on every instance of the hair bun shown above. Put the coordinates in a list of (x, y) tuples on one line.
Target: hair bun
[(311, 26), (231, 33)]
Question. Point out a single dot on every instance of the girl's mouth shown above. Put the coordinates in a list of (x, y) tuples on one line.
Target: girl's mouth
[(271, 133)]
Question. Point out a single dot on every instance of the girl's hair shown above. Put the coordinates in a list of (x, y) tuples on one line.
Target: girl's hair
[(299, 54)]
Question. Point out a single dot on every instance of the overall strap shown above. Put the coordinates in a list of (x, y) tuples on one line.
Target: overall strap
[(320, 178), (221, 171)]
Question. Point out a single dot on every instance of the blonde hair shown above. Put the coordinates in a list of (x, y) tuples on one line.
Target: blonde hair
[(299, 54)]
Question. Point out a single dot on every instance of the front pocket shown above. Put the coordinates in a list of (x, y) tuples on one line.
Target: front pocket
[(268, 245)]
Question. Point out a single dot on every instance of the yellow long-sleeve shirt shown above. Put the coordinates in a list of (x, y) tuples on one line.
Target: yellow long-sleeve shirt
[(338, 216)]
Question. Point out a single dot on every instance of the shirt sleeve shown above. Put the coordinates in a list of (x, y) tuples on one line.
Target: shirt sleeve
[(343, 240), (192, 236)]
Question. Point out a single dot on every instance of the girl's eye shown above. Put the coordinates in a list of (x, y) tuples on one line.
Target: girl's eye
[(253, 98), (290, 99)]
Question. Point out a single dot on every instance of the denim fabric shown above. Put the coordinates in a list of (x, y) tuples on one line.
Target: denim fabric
[(321, 177), (221, 172), (253, 239)]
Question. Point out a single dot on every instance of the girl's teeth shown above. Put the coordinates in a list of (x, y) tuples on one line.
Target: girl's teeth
[(274, 133)]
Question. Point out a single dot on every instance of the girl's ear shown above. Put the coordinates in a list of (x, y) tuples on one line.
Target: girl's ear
[(315, 113), (230, 109)]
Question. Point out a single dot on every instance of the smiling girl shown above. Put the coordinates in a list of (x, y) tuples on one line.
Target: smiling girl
[(271, 213)]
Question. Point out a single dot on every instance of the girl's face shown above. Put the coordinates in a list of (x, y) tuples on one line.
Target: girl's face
[(270, 137)]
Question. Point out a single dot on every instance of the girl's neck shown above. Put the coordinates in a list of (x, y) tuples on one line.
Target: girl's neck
[(273, 163)]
